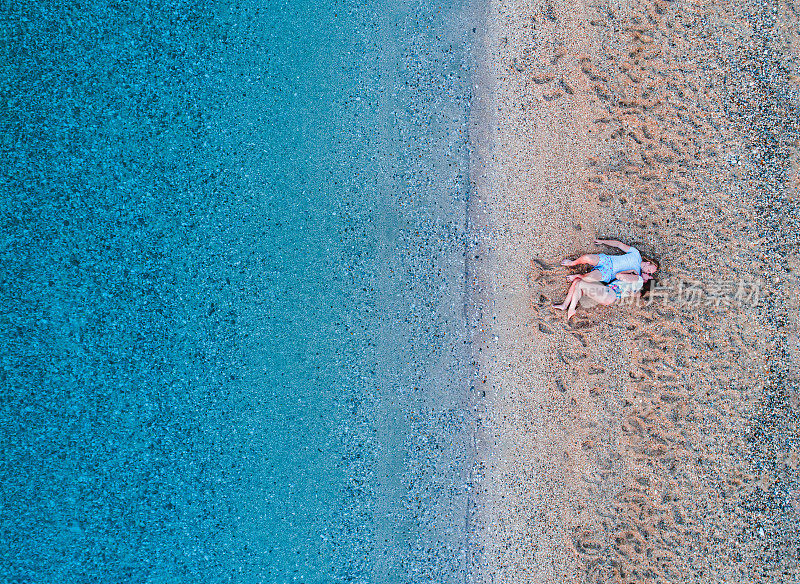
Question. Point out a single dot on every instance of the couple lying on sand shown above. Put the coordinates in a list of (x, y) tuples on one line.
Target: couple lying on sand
[(613, 278)]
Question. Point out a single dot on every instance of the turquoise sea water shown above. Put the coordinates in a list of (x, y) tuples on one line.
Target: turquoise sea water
[(233, 255)]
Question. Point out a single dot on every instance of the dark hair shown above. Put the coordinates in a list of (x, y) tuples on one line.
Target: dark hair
[(652, 261), (647, 287)]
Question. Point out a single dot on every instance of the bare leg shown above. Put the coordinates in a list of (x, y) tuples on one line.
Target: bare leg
[(563, 305), (576, 296), (593, 276), (588, 258), (598, 292)]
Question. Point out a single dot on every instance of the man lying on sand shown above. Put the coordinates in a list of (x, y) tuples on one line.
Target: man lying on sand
[(620, 272)]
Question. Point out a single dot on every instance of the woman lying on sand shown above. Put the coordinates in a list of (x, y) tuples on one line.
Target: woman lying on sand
[(608, 266), (621, 272)]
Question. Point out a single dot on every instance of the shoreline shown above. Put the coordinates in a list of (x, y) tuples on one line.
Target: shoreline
[(525, 428), (611, 449), (477, 277)]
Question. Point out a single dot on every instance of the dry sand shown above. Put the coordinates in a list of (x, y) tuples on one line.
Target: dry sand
[(653, 443)]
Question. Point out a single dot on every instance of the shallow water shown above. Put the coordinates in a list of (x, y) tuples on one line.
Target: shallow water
[(233, 285)]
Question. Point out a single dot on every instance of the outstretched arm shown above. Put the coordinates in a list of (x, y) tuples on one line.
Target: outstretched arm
[(613, 243)]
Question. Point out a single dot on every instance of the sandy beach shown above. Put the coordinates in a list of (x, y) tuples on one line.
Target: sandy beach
[(650, 443)]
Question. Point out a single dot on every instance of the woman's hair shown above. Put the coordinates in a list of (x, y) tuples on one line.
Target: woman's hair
[(648, 286), (652, 261)]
